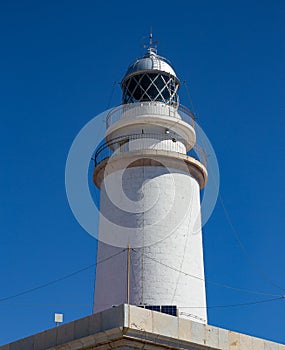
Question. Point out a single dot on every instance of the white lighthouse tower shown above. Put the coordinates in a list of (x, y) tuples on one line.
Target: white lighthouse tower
[(150, 250)]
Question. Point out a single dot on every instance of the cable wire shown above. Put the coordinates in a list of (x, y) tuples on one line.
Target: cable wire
[(30, 290), (256, 266), (212, 282), (190, 100), (244, 250), (111, 95), (235, 305), (279, 297), (123, 250), (180, 307), (184, 249)]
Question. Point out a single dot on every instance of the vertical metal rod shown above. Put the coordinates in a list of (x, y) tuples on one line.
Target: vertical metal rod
[(128, 276)]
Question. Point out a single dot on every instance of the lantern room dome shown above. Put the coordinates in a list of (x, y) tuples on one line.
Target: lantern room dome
[(150, 78), (149, 62)]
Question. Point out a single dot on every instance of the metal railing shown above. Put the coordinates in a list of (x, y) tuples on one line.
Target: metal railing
[(140, 142), (128, 111)]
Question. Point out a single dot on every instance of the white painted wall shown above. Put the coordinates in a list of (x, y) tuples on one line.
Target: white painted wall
[(159, 209)]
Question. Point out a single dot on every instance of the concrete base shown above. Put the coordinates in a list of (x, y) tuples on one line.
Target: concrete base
[(130, 327)]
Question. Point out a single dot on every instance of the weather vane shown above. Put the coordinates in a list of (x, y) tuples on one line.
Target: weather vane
[(152, 45)]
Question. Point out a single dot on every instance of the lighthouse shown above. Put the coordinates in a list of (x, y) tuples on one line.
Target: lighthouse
[(150, 249), (150, 253)]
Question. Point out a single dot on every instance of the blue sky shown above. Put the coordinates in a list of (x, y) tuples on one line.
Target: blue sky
[(58, 64)]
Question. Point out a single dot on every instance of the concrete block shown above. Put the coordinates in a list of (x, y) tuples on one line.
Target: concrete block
[(5, 347), (45, 339), (257, 344), (245, 342), (81, 328), (76, 345), (223, 339), (212, 336), (95, 323), (268, 345), (234, 341), (65, 333), (141, 319), (184, 329), (26, 343), (198, 333), (114, 317), (164, 324)]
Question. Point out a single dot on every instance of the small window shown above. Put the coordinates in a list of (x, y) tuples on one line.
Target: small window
[(153, 307), (166, 309), (169, 309)]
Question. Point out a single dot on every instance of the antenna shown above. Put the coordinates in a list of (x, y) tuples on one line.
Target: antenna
[(58, 318), (152, 45)]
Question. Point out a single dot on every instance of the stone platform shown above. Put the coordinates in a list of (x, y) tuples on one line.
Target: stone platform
[(130, 327)]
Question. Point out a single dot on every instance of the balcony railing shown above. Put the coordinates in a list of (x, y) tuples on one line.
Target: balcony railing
[(128, 111), (140, 142)]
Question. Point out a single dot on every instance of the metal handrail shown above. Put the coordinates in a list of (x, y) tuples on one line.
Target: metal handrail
[(107, 149), (155, 108)]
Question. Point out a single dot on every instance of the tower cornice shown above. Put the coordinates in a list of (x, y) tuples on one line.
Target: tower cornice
[(139, 158)]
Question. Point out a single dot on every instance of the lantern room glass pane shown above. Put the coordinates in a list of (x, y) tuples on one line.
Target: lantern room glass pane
[(150, 87)]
